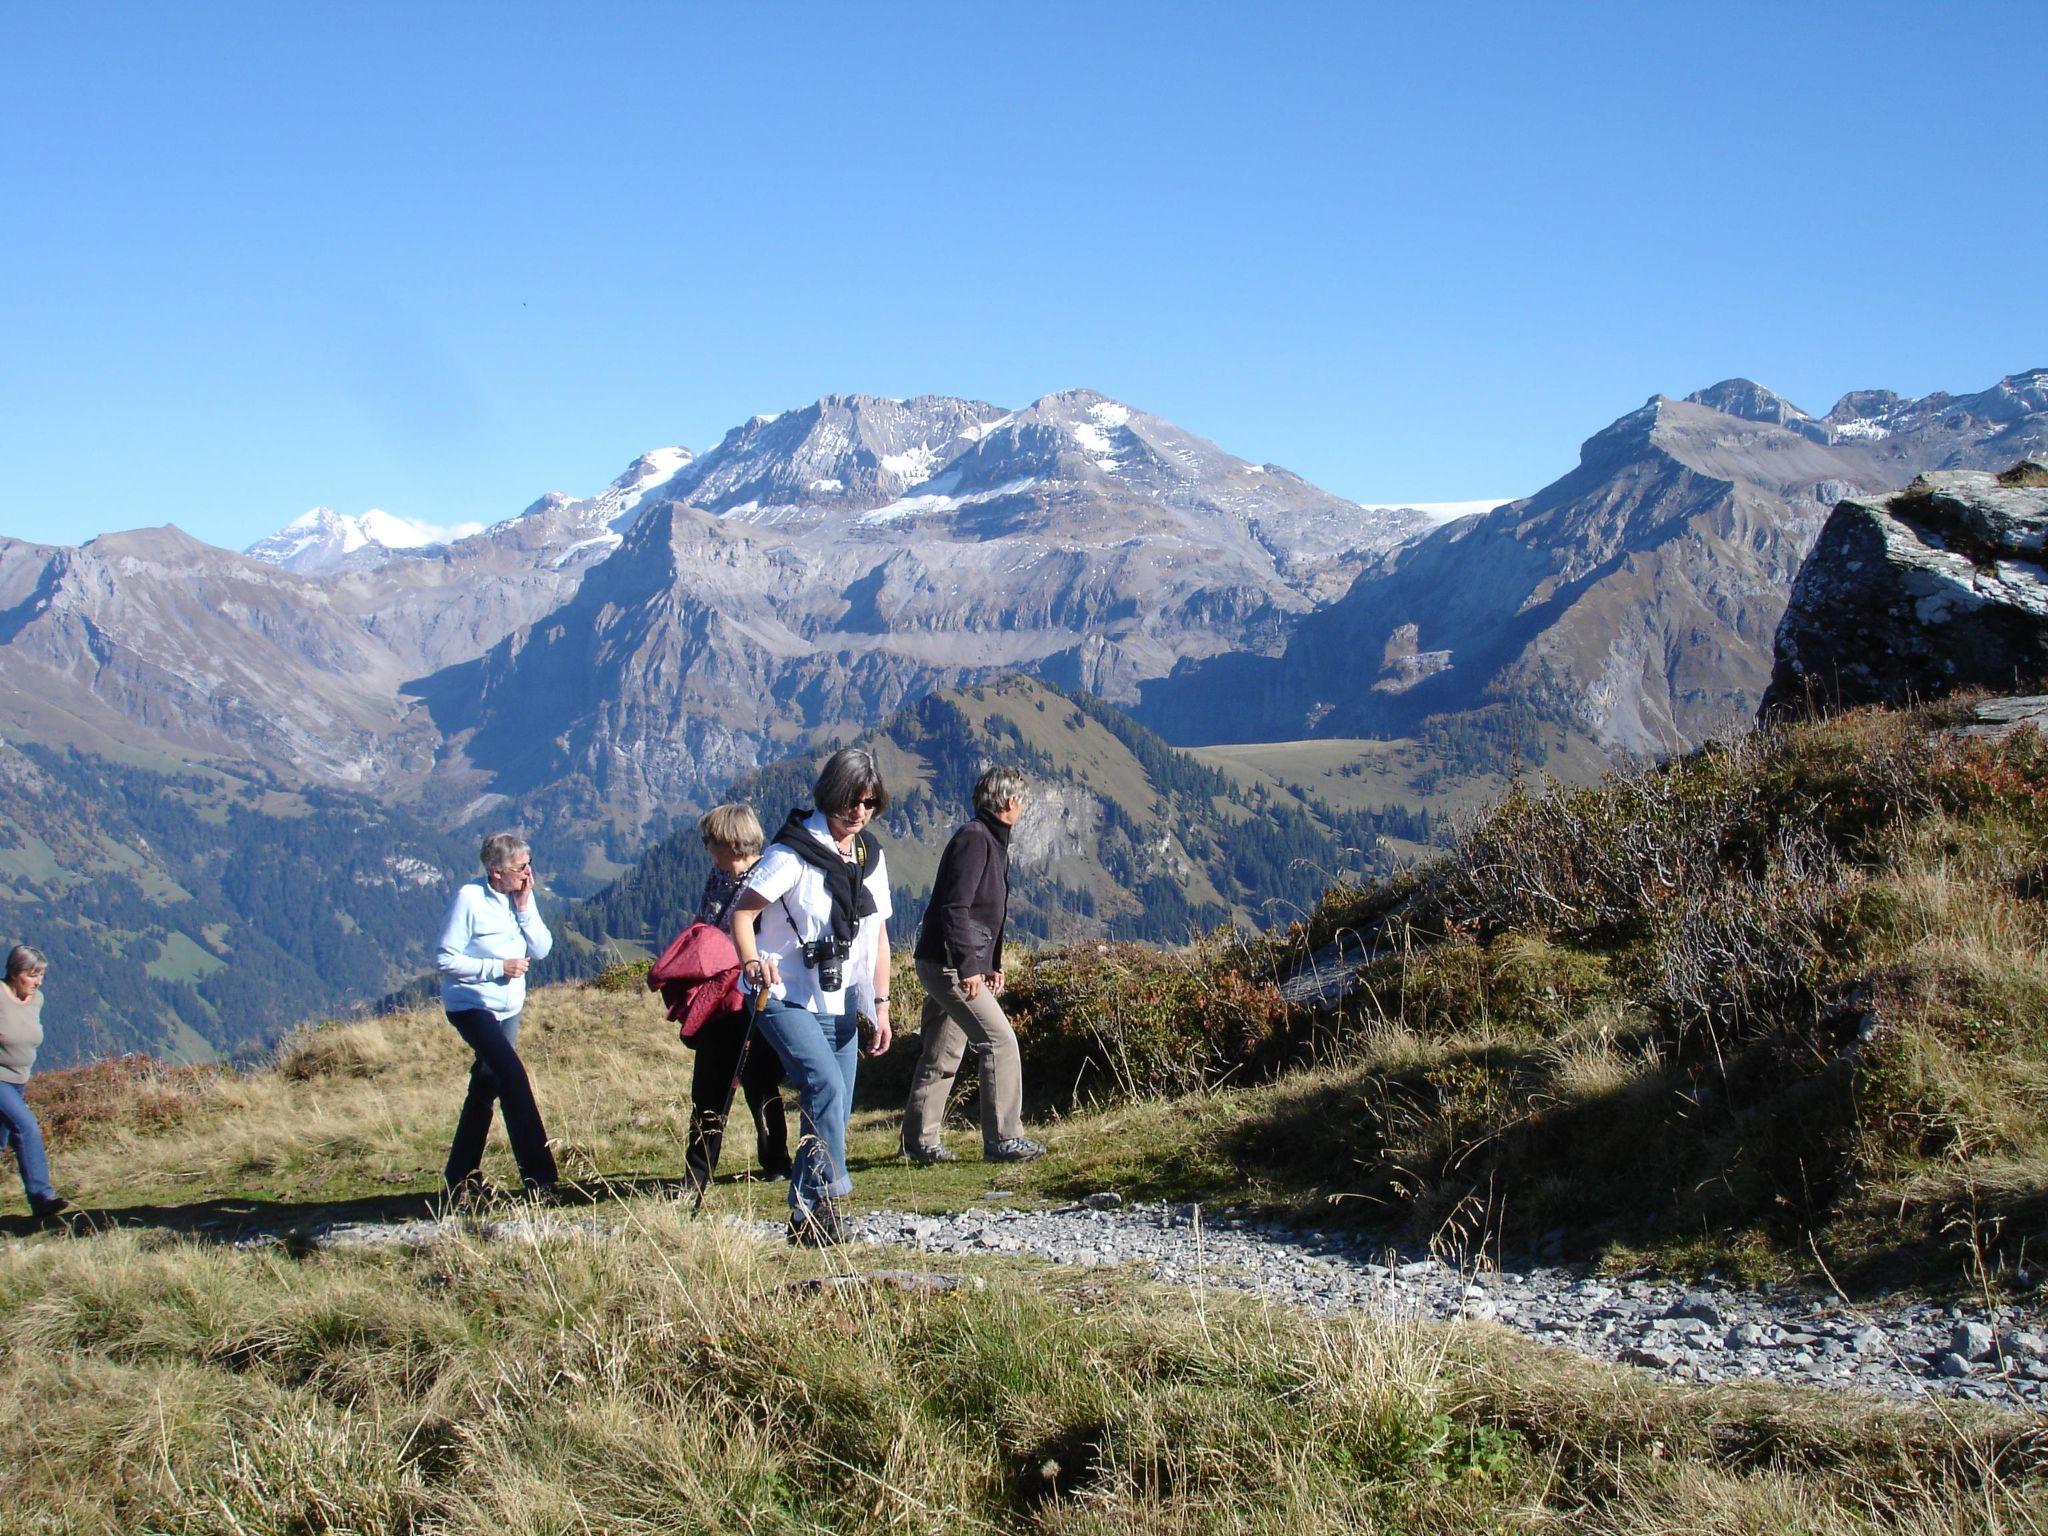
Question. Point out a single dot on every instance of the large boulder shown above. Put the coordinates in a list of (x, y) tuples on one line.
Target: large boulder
[(1939, 587)]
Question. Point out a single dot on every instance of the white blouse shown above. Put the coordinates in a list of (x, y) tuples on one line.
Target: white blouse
[(793, 889)]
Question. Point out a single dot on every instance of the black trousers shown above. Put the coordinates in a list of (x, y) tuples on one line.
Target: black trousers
[(497, 1077), (718, 1052)]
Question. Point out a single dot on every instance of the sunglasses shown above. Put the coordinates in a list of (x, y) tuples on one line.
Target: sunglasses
[(870, 803)]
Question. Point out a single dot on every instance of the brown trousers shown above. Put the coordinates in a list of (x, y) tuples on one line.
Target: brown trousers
[(950, 1023)]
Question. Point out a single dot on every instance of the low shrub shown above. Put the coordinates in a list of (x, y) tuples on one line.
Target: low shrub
[(335, 1049), (125, 1092), (1130, 1020), (622, 976)]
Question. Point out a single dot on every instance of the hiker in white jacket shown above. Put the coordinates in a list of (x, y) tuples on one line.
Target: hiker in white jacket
[(493, 933)]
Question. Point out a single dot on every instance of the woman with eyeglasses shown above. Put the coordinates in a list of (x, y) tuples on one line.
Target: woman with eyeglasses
[(811, 928), (492, 934)]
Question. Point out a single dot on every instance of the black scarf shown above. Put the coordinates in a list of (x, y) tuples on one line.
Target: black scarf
[(846, 883)]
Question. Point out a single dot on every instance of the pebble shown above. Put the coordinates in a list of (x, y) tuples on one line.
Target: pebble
[(1971, 1340)]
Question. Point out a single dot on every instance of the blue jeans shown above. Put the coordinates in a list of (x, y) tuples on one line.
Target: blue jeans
[(19, 1129), (820, 1054), (497, 1078)]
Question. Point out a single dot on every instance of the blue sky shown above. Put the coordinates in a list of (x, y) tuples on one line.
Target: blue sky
[(440, 258)]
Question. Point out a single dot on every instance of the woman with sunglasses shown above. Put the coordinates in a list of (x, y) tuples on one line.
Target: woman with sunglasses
[(811, 928)]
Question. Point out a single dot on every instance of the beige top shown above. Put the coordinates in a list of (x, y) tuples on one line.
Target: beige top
[(21, 1034)]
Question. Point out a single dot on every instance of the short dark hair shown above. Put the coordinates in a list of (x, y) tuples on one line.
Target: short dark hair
[(849, 774)]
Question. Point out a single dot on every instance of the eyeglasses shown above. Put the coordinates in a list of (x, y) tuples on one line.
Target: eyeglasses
[(870, 803)]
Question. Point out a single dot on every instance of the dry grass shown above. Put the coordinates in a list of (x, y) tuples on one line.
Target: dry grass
[(675, 1376)]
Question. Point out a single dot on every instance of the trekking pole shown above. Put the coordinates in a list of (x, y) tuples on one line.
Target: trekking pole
[(756, 1001)]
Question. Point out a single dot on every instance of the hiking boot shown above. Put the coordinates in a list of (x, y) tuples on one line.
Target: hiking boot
[(820, 1227), (52, 1208), (1016, 1149), (931, 1152)]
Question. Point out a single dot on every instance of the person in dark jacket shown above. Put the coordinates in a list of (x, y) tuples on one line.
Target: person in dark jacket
[(732, 836), (959, 958)]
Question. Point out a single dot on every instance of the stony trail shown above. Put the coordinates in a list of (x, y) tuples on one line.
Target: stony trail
[(1686, 1332)]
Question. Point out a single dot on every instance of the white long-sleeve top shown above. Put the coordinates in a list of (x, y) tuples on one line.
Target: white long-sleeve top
[(482, 932), (796, 893)]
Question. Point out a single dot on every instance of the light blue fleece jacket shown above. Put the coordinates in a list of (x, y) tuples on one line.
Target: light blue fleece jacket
[(483, 932)]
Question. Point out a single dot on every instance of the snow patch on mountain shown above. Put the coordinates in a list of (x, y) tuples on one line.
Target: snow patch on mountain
[(1438, 512), (325, 540), (912, 467), (936, 501)]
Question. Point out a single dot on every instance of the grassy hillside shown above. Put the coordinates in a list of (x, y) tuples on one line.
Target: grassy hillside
[(1437, 786), (1779, 1003), (626, 1368)]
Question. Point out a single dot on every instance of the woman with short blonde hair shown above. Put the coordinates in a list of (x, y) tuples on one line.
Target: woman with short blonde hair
[(732, 837)]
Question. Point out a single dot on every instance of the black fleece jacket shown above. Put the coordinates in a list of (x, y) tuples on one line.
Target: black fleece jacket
[(963, 925)]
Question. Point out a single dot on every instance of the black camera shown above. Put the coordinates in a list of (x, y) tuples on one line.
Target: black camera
[(827, 957)]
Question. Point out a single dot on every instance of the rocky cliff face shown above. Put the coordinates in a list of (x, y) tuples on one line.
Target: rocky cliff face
[(153, 638), (1634, 601), (1943, 586)]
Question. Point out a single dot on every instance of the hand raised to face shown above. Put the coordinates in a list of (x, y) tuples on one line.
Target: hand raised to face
[(514, 881)]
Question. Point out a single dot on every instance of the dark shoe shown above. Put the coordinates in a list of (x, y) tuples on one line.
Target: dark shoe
[(820, 1227), (51, 1209), (548, 1192), (776, 1170), (1017, 1149), (931, 1152)]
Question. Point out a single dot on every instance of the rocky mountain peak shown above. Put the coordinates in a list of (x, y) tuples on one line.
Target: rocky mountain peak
[(1864, 405), (840, 452), (167, 545), (1749, 400)]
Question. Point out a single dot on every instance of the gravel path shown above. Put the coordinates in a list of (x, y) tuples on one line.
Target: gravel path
[(1691, 1333), (1696, 1333)]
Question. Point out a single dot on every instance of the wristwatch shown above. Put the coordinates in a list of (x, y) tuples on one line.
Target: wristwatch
[(881, 1002)]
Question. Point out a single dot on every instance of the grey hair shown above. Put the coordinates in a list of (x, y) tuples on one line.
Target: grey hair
[(849, 774), (22, 959), (500, 849), (997, 787)]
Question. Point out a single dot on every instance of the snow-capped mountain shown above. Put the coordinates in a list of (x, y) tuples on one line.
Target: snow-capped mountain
[(592, 527), (859, 552), (323, 540), (607, 661), (841, 452)]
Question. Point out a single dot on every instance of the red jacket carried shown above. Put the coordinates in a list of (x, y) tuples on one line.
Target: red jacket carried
[(698, 976)]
